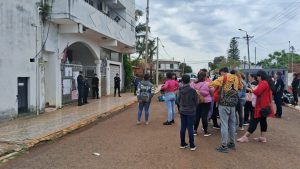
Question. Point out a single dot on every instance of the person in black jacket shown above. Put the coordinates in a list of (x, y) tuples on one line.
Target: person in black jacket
[(279, 87), (295, 88), (95, 86), (117, 81), (86, 89), (80, 85)]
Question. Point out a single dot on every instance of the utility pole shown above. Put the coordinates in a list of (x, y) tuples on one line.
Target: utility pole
[(173, 65), (183, 67), (244, 62), (247, 39), (292, 48), (157, 39), (288, 55), (255, 56), (146, 38)]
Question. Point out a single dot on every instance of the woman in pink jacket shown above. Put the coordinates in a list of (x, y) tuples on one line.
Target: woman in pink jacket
[(203, 108), (170, 87)]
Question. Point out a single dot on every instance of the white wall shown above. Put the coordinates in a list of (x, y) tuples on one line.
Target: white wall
[(17, 46)]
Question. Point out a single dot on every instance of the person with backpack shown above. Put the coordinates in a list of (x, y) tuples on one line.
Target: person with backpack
[(188, 101), (229, 85), (145, 92), (295, 88), (263, 107), (203, 107), (170, 87), (278, 92)]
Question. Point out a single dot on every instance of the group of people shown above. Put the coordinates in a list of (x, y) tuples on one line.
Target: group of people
[(237, 103), (83, 87)]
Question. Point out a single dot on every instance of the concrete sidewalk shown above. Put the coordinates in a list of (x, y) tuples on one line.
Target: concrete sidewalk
[(26, 132)]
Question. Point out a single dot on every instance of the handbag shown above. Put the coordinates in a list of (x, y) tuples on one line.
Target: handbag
[(264, 112)]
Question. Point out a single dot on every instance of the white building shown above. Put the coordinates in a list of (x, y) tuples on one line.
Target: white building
[(165, 66), (93, 33)]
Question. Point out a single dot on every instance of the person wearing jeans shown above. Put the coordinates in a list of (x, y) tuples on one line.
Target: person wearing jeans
[(170, 87), (227, 82), (145, 92), (188, 101)]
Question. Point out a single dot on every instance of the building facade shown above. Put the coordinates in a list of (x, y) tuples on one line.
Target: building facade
[(44, 45), (165, 66)]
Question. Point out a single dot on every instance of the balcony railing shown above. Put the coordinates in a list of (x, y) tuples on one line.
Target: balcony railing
[(82, 12)]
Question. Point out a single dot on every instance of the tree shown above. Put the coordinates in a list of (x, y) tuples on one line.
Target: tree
[(216, 62), (279, 60), (128, 72), (233, 51), (186, 68)]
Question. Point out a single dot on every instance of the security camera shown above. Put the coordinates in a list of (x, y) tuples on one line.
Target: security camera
[(39, 9)]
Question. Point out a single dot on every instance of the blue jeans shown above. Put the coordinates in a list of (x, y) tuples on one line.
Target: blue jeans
[(187, 122), (170, 103), (145, 106)]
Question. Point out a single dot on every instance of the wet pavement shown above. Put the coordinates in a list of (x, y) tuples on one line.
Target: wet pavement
[(27, 131)]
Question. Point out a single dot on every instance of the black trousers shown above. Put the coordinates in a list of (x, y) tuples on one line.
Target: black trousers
[(214, 115), (278, 103), (254, 123), (96, 92), (117, 88), (80, 97), (295, 95), (202, 112), (85, 96), (248, 111), (135, 89)]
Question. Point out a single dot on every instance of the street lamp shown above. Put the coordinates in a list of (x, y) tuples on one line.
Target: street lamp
[(247, 39)]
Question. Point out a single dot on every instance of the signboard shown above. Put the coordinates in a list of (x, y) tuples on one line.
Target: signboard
[(67, 86)]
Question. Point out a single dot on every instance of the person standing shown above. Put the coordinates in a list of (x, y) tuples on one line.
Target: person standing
[(242, 101), (295, 88), (249, 109), (170, 87), (188, 101), (278, 92), (86, 89), (117, 82), (204, 104), (145, 92), (95, 86), (229, 84), (263, 104), (135, 83), (80, 87)]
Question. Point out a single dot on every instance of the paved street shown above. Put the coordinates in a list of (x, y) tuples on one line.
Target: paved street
[(123, 144)]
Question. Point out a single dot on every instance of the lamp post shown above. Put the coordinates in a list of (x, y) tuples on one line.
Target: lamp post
[(247, 39)]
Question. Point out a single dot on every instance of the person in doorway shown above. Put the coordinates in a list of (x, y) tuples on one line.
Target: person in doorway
[(278, 92), (188, 101), (80, 87), (135, 83), (86, 89), (295, 88), (264, 100), (117, 81), (229, 84), (204, 104), (170, 87), (95, 85), (145, 92)]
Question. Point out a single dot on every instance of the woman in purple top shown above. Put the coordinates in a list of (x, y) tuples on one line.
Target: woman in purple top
[(203, 108)]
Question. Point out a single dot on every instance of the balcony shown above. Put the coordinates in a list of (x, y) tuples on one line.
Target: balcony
[(79, 12)]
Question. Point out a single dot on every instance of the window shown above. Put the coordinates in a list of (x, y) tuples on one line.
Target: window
[(172, 66), (91, 2), (100, 6), (159, 66)]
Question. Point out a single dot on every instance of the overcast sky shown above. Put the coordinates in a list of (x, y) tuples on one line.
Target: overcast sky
[(199, 30)]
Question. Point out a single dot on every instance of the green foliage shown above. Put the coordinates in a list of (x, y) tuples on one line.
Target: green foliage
[(233, 51), (279, 60), (45, 10), (221, 61), (187, 68), (216, 63), (128, 72)]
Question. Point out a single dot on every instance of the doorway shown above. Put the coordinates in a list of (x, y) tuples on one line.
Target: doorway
[(22, 94)]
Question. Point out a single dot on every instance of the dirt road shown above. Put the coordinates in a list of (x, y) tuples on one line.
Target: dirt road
[(123, 144)]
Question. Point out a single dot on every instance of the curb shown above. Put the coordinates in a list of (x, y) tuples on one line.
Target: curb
[(62, 132)]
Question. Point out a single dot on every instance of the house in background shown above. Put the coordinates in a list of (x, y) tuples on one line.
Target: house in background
[(43, 49), (165, 66)]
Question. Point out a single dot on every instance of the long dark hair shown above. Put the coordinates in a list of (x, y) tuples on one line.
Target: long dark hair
[(264, 76)]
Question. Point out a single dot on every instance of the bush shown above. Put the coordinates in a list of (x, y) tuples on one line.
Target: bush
[(128, 73)]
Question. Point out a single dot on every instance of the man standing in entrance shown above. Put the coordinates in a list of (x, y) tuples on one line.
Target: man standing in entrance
[(117, 81), (95, 86), (80, 86)]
